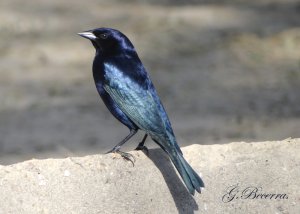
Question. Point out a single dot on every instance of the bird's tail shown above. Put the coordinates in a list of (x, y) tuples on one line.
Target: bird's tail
[(191, 179)]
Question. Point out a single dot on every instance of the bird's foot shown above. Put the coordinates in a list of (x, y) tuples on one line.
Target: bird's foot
[(143, 148), (124, 155)]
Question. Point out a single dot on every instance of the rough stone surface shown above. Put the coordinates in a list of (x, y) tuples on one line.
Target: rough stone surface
[(108, 184)]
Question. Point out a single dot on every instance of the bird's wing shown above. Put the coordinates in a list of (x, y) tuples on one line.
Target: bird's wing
[(138, 104), (138, 100)]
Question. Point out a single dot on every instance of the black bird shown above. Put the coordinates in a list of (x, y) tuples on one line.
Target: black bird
[(127, 91)]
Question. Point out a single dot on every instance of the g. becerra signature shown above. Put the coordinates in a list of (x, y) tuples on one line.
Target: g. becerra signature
[(250, 192)]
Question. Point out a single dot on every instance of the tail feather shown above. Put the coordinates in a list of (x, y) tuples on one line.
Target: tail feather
[(191, 179)]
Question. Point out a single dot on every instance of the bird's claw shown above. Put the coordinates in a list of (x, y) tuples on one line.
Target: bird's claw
[(125, 155)]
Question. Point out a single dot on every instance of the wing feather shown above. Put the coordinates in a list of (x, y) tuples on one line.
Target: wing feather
[(139, 105)]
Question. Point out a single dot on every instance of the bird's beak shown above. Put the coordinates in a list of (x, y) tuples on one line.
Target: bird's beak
[(88, 35)]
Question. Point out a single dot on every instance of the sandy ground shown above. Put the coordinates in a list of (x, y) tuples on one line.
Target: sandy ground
[(225, 72)]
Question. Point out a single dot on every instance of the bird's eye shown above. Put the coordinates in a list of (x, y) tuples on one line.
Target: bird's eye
[(103, 36)]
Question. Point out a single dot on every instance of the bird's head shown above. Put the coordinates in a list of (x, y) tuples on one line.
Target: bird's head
[(108, 41)]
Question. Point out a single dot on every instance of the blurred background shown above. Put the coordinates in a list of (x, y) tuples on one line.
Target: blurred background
[(226, 70)]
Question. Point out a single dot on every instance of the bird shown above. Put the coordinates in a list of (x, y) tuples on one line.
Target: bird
[(126, 89)]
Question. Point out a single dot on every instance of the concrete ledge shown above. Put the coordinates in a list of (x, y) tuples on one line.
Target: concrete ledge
[(108, 184)]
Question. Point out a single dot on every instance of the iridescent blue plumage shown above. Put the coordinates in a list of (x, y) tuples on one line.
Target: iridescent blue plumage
[(129, 94)]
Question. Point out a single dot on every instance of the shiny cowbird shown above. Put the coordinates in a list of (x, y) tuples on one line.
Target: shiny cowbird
[(127, 91)]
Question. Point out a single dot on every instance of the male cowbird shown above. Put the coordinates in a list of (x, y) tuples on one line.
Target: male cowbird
[(127, 91)]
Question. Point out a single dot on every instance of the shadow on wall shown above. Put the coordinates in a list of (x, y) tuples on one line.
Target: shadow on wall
[(185, 203)]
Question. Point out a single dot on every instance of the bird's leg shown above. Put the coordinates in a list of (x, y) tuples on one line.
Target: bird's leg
[(118, 146), (142, 146), (125, 155)]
